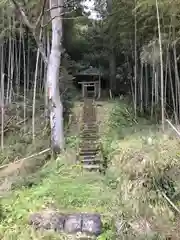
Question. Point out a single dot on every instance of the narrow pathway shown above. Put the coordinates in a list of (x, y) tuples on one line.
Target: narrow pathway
[(89, 154)]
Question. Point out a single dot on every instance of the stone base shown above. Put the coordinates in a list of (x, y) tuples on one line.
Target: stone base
[(90, 224)]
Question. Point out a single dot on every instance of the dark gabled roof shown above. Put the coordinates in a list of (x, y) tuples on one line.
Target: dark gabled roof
[(91, 71)]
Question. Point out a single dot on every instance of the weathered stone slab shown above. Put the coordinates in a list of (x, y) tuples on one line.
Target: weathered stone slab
[(73, 223), (47, 220), (89, 224)]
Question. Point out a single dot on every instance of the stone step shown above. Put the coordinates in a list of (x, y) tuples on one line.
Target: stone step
[(91, 167), (89, 141), (88, 135), (89, 150), (89, 138), (94, 130), (90, 161), (93, 140), (90, 126), (92, 157), (91, 145), (89, 123), (91, 131), (87, 157), (93, 153)]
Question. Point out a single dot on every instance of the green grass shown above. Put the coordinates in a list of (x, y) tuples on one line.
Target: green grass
[(143, 165), (145, 169), (65, 186)]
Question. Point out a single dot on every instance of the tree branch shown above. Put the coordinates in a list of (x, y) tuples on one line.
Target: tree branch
[(41, 14), (50, 20), (32, 28), (22, 13)]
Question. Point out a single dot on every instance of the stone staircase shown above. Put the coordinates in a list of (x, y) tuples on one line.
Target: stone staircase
[(89, 153)]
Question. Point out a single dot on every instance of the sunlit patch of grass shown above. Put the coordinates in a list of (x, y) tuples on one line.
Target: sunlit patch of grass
[(143, 164), (62, 186)]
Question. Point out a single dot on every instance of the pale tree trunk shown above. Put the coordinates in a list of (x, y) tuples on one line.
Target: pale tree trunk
[(161, 66), (9, 67), (112, 70), (45, 78), (146, 87), (135, 63), (53, 66), (112, 56), (56, 107), (153, 89), (24, 74), (34, 93), (2, 111), (141, 89), (172, 91)]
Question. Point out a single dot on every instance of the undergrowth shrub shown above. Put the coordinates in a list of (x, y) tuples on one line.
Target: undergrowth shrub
[(67, 101), (121, 116), (120, 123), (144, 169)]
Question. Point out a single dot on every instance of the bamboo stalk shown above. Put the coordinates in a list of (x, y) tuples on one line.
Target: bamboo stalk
[(2, 111)]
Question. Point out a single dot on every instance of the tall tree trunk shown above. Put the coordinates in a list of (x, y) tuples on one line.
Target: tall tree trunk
[(53, 65), (112, 56), (56, 107), (34, 91), (112, 71), (161, 67), (135, 62), (141, 89)]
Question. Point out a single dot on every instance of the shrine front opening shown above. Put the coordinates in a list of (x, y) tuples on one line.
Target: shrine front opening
[(91, 89)]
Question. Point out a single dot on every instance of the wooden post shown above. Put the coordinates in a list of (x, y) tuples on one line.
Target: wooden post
[(82, 90), (95, 90), (85, 91), (99, 87)]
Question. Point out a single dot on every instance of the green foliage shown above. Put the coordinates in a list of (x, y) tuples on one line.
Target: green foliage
[(144, 168), (122, 121), (76, 192), (121, 117), (72, 141), (129, 192), (18, 138), (67, 101)]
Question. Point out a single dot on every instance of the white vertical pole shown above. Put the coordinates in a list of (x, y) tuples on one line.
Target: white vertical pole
[(83, 90)]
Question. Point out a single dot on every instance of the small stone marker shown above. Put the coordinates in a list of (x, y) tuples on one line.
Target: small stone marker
[(73, 223), (69, 223), (91, 224), (48, 219)]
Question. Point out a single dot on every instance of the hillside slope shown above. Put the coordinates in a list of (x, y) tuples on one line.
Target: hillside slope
[(135, 196)]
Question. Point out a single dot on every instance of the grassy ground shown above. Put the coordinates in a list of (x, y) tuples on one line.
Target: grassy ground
[(134, 197), (145, 172)]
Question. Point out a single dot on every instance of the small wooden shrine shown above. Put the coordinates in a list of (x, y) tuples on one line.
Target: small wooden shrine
[(91, 83)]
